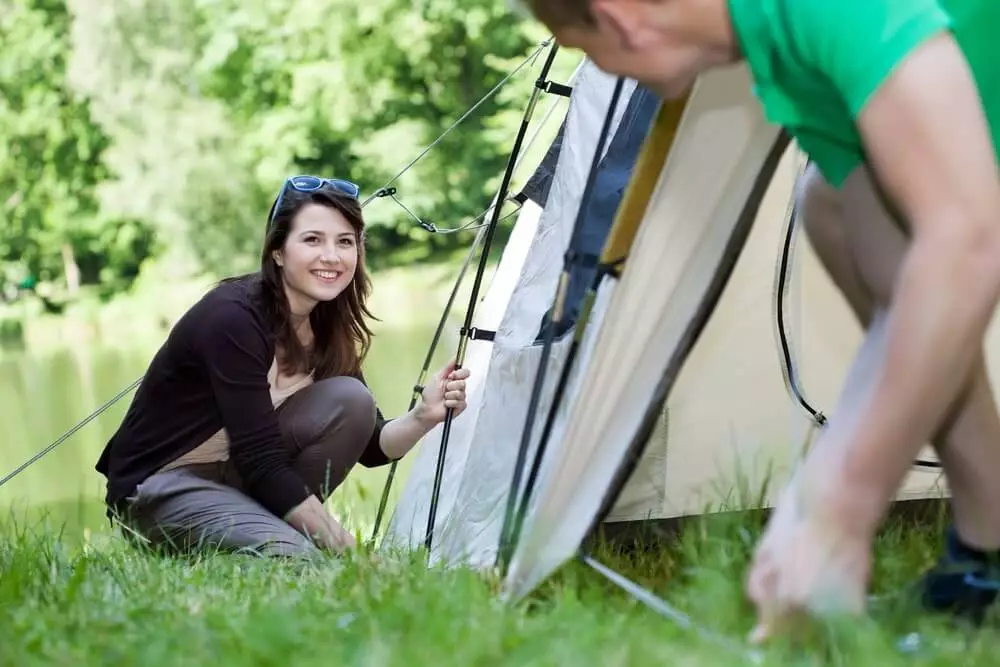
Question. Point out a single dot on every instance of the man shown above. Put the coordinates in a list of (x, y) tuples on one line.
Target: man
[(897, 103)]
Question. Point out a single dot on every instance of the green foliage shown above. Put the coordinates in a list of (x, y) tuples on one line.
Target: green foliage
[(134, 128), (51, 163)]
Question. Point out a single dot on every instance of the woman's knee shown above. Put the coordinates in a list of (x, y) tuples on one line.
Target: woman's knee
[(341, 407), (353, 400)]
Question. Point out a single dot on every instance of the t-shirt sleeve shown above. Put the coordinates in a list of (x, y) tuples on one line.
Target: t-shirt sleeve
[(857, 44), (234, 349)]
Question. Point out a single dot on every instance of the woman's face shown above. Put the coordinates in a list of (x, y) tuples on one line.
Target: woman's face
[(319, 257)]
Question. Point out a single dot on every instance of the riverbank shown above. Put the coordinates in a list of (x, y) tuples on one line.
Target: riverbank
[(402, 297)]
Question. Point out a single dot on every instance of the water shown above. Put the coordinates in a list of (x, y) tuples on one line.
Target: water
[(42, 396)]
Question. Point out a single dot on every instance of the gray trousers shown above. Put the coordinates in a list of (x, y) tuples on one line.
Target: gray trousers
[(203, 507)]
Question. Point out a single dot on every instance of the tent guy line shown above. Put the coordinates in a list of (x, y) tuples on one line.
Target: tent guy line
[(667, 610), (531, 58)]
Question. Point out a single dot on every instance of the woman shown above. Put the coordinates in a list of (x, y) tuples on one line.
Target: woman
[(255, 408)]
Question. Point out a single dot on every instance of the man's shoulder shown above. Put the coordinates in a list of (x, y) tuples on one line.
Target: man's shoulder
[(855, 44), (817, 63)]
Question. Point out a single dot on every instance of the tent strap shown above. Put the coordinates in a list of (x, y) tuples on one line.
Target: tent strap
[(788, 368)]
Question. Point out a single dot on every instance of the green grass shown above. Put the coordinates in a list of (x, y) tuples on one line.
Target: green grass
[(67, 600)]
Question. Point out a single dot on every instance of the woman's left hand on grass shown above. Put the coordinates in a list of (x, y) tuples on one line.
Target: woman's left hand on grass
[(445, 391)]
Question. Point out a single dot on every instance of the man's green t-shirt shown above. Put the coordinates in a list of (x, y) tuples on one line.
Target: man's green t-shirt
[(816, 63)]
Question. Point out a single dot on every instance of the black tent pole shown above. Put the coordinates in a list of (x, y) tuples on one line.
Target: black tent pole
[(510, 531), (540, 86), (418, 386)]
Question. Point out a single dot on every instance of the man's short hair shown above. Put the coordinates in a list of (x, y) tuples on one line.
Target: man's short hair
[(559, 12)]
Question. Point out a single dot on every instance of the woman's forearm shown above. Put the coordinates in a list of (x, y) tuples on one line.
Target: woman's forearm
[(311, 519), (402, 434)]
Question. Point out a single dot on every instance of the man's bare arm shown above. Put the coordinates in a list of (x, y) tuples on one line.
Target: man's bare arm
[(928, 142)]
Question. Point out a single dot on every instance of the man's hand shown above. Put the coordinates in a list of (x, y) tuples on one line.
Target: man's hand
[(806, 564)]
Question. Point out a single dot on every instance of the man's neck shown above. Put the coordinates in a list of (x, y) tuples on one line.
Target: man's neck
[(712, 22)]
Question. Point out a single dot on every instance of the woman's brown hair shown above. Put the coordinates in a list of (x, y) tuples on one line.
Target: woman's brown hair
[(341, 337)]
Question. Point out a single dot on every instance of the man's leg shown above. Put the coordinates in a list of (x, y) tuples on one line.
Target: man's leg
[(862, 248)]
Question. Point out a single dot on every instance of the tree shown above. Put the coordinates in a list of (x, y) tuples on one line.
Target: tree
[(50, 161)]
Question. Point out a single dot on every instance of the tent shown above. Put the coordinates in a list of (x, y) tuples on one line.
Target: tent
[(702, 342)]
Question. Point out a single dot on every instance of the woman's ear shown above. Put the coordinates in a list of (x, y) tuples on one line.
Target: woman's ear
[(277, 258)]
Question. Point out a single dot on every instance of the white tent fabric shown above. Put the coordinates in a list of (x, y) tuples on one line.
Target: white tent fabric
[(408, 523), (484, 440), (729, 417)]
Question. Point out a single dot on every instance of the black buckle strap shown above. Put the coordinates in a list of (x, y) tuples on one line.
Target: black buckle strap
[(475, 333), (554, 88)]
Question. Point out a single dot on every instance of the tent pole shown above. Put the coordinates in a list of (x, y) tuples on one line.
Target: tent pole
[(510, 531), (540, 86), (422, 377)]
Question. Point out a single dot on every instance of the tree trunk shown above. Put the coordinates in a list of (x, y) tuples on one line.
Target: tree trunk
[(70, 269)]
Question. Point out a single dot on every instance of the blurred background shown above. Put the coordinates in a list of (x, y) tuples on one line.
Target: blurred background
[(141, 145)]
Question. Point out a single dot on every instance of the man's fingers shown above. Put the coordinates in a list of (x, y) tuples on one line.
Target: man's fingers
[(762, 591), (763, 580)]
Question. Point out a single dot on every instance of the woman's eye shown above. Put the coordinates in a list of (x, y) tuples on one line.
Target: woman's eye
[(347, 242)]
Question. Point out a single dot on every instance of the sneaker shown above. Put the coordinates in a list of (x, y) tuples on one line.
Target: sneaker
[(963, 582)]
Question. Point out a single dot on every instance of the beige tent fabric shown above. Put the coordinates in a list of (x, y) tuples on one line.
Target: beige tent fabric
[(730, 420)]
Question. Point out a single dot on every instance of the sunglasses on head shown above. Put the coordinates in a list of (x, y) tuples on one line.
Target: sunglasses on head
[(311, 184)]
